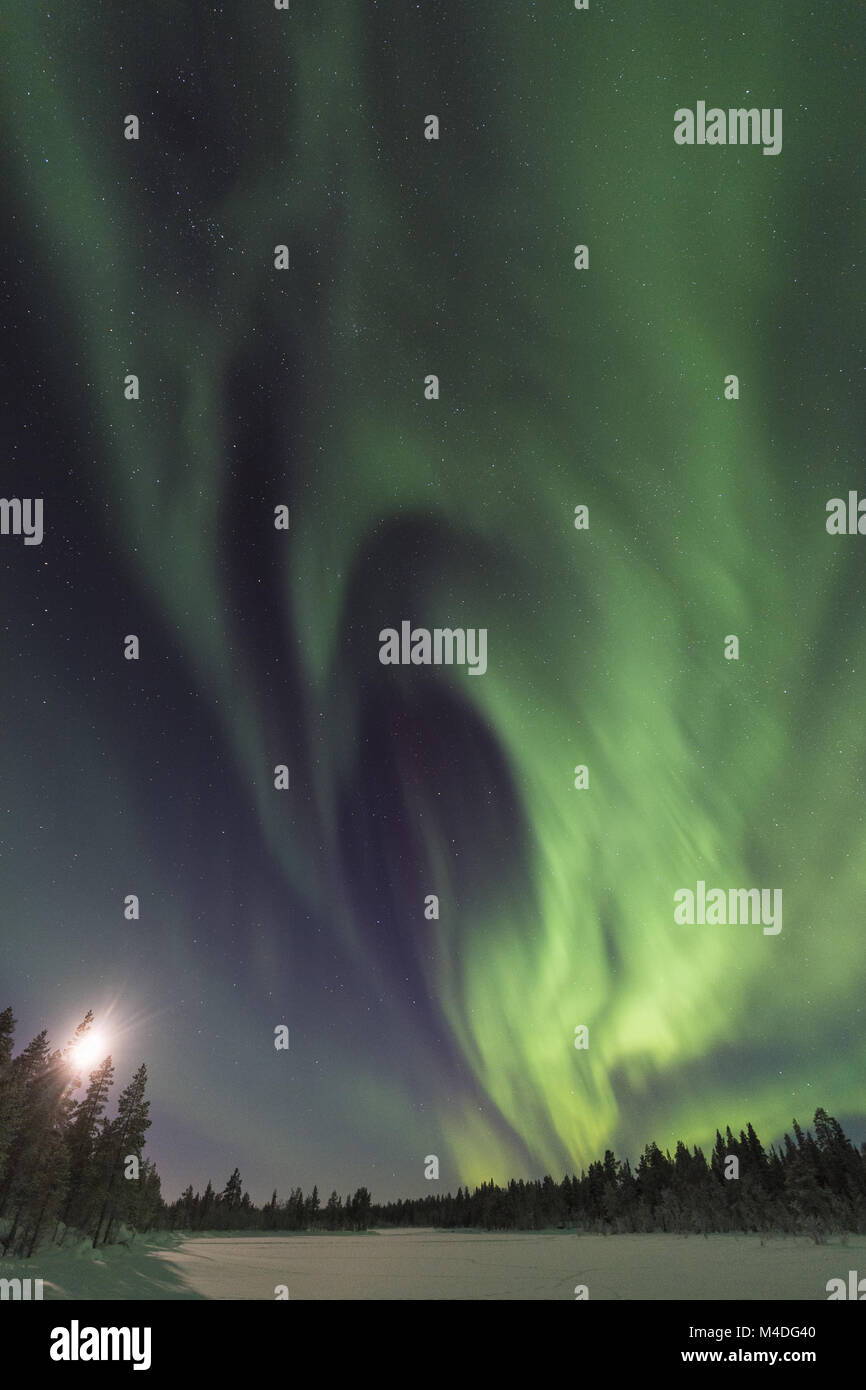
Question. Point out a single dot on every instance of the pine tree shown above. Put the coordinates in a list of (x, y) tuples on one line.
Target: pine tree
[(208, 1203), (37, 1165), (149, 1201), (757, 1157), (841, 1168), (333, 1212), (24, 1072), (186, 1207), (7, 1093), (123, 1136), (48, 1187), (232, 1193), (81, 1141), (295, 1210), (7, 1038), (269, 1212), (359, 1208), (312, 1207)]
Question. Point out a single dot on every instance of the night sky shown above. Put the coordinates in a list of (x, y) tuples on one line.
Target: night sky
[(558, 387)]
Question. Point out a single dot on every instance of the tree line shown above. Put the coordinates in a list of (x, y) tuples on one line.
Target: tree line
[(232, 1210), (65, 1167), (813, 1183)]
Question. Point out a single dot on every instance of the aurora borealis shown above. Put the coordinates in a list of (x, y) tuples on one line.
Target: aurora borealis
[(259, 647)]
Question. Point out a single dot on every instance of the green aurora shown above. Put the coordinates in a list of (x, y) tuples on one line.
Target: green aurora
[(558, 387)]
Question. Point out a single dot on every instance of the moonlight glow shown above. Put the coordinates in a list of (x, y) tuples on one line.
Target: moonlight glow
[(92, 1049)]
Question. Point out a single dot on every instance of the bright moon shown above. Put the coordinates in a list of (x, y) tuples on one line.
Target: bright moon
[(93, 1048)]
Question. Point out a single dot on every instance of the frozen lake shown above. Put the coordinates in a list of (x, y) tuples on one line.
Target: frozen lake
[(477, 1265)]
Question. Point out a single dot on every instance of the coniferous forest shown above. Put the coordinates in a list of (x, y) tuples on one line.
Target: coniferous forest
[(64, 1165), (69, 1171)]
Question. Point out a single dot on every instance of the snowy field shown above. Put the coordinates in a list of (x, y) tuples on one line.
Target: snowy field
[(445, 1265)]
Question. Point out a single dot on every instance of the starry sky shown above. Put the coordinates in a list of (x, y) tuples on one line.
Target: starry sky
[(558, 387)]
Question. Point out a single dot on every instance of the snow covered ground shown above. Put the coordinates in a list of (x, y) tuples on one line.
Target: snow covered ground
[(446, 1265), (113, 1271)]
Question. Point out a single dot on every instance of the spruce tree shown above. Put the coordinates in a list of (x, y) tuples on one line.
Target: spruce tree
[(123, 1136), (360, 1209), (36, 1168), (206, 1209), (314, 1204), (81, 1141), (333, 1212), (7, 1094), (24, 1072), (233, 1192)]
